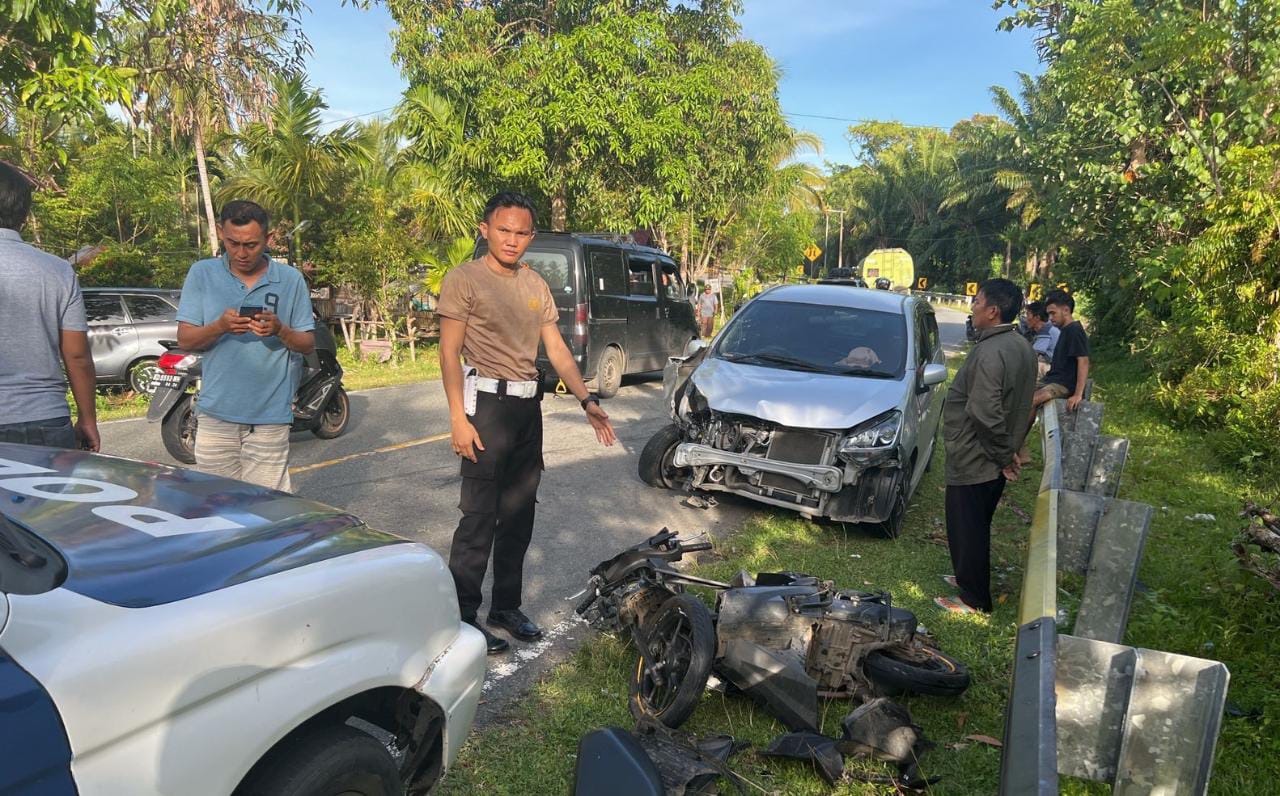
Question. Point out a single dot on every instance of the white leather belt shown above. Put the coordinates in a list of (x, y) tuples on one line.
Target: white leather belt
[(516, 389)]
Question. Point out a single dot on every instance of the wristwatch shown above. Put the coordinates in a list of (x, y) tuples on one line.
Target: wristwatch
[(591, 398)]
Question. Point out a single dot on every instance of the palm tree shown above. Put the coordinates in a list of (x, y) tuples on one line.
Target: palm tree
[(204, 69), (286, 163)]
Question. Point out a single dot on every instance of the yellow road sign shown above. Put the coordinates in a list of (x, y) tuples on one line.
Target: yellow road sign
[(971, 288), (922, 283), (799, 270), (812, 252), (1035, 291)]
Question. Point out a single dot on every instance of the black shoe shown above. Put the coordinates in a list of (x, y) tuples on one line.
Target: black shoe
[(515, 623), (493, 644)]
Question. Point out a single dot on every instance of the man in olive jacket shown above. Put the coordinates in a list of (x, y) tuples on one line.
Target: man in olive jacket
[(985, 417)]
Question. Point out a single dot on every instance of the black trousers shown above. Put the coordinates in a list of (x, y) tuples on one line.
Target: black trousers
[(499, 492), (969, 512)]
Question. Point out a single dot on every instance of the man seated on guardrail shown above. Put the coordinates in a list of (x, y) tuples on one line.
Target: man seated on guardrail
[(984, 419), (1045, 336), (1069, 369)]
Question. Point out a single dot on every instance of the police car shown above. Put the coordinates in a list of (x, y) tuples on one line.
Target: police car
[(167, 631)]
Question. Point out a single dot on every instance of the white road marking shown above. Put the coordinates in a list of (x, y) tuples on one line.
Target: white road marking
[(529, 654)]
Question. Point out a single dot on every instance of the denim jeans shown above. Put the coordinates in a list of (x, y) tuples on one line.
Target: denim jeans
[(56, 432)]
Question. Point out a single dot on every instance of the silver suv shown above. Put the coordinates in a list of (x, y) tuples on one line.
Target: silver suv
[(823, 399), (126, 327)]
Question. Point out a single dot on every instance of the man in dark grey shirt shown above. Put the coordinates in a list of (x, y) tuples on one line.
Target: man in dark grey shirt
[(984, 420), (42, 328)]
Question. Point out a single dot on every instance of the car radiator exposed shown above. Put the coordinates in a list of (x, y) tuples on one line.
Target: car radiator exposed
[(799, 447)]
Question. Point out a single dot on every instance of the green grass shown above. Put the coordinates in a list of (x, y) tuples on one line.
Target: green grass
[(115, 404), (1198, 597)]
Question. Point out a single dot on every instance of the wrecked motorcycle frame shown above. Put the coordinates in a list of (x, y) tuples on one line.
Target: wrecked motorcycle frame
[(785, 639)]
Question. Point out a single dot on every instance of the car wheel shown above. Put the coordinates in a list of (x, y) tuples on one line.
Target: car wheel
[(656, 468), (609, 374), (142, 375), (337, 413), (329, 760), (892, 526), (178, 431)]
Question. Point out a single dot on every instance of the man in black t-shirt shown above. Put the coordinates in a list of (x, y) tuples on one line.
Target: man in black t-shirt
[(1069, 369)]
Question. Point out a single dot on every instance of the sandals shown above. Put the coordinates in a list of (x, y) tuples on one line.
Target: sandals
[(955, 606), (950, 580)]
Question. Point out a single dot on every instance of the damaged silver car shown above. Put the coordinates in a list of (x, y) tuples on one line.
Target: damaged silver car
[(823, 399)]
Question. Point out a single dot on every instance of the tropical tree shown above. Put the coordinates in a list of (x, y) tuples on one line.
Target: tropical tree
[(285, 162), (208, 66)]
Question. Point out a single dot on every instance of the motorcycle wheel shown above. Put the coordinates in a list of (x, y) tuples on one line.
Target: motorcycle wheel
[(337, 413), (672, 672), (922, 670), (178, 431)]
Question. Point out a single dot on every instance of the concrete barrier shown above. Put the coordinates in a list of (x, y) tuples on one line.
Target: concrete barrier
[(1084, 705)]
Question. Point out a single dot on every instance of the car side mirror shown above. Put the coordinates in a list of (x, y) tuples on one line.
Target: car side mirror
[(694, 346), (934, 375)]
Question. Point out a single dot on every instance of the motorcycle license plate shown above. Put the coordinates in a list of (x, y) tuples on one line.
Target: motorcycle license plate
[(170, 380)]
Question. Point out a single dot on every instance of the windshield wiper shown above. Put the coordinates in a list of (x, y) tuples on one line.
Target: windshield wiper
[(868, 372), (15, 544), (779, 359)]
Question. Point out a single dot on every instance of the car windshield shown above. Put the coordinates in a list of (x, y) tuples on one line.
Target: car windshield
[(816, 338)]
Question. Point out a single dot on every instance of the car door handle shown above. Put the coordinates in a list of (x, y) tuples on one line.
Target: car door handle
[(121, 330)]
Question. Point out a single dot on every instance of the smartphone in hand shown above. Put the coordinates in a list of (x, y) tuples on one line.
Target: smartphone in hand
[(250, 312)]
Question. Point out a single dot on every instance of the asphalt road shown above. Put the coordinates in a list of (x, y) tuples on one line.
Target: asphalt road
[(394, 469)]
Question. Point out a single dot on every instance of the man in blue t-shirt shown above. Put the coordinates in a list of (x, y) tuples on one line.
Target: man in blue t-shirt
[(252, 317)]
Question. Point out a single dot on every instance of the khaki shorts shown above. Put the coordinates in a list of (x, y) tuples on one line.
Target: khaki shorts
[(1054, 390), (257, 454)]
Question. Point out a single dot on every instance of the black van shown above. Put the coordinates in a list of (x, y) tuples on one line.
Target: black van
[(623, 307)]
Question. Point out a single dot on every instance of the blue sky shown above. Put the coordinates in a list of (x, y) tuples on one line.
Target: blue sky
[(927, 62)]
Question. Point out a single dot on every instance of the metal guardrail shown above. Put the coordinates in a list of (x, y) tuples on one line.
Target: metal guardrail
[(1084, 705)]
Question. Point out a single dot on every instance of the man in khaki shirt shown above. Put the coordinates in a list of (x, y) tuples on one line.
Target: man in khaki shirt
[(493, 313)]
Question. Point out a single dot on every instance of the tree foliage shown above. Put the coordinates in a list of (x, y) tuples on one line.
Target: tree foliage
[(1152, 143)]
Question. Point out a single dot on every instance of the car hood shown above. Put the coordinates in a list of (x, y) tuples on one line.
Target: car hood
[(794, 398), (97, 512)]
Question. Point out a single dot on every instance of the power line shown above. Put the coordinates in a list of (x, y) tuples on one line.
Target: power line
[(358, 116), (863, 121)]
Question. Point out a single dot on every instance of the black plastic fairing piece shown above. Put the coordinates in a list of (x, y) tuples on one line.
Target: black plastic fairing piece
[(611, 761), (813, 748), (778, 682), (884, 730)]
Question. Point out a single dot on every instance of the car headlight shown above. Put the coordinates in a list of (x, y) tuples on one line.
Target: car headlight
[(874, 436)]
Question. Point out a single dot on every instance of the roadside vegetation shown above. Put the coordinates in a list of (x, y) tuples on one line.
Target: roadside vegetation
[(1195, 600)]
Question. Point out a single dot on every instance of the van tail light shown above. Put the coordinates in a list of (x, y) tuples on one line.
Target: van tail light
[(171, 363), (580, 327)]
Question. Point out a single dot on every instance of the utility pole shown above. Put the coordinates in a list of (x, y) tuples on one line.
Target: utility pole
[(840, 259), (826, 235)]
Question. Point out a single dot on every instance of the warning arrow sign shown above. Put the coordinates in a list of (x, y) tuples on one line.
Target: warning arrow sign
[(811, 252)]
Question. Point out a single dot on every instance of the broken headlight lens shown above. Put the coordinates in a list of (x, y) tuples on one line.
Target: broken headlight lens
[(874, 436)]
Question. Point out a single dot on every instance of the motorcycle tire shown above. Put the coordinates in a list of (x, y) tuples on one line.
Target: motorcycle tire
[(671, 674), (919, 671), (178, 431), (656, 469), (336, 415)]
